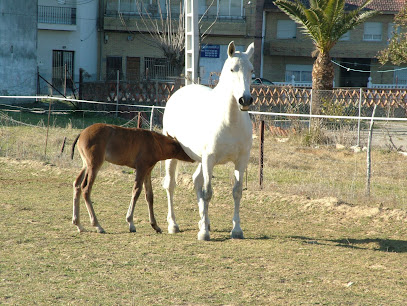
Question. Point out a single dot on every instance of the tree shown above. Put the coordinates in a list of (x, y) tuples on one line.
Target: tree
[(396, 52), (168, 30), (165, 31), (325, 21)]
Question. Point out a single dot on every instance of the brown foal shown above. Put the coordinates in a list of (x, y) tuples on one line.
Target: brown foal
[(136, 148)]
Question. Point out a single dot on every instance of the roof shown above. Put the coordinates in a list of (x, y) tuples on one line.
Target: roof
[(379, 5)]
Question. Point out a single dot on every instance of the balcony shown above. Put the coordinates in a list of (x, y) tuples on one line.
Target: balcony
[(57, 18)]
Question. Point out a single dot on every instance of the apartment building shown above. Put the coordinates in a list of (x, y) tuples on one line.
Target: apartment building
[(287, 52), (129, 47), (18, 47), (67, 41)]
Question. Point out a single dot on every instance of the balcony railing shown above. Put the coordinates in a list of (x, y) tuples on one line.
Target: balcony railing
[(56, 15)]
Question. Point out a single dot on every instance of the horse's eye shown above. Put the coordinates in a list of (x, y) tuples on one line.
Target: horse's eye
[(232, 70)]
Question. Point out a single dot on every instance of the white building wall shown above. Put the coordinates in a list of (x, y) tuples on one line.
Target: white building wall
[(80, 38), (18, 47)]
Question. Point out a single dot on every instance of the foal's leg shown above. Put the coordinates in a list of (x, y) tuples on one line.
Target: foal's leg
[(150, 199), (138, 184), (207, 169), (87, 184), (76, 199), (169, 185), (237, 232)]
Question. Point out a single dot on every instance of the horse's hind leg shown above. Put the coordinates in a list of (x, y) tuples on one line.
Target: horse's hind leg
[(76, 199), (150, 200), (169, 185), (87, 184)]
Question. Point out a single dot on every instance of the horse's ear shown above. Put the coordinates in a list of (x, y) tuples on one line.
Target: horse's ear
[(250, 50), (231, 49)]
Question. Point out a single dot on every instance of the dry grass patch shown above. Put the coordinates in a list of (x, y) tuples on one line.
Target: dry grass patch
[(297, 250)]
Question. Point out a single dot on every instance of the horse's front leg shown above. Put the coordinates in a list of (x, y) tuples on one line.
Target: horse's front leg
[(198, 184), (203, 201), (169, 185), (237, 232), (135, 195)]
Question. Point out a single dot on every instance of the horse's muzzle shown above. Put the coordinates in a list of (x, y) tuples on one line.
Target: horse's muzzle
[(245, 102)]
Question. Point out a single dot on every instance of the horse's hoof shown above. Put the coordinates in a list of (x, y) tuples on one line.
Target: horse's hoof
[(81, 229), (100, 230), (133, 229), (236, 235), (173, 229), (204, 235), (157, 229)]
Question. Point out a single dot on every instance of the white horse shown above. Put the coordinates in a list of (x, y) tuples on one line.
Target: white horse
[(213, 127)]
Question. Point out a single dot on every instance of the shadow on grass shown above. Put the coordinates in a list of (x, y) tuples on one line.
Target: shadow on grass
[(383, 245)]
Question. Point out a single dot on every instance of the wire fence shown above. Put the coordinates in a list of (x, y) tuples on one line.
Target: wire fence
[(298, 165)]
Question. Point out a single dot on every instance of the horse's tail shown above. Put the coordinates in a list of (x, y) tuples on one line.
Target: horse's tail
[(73, 145)]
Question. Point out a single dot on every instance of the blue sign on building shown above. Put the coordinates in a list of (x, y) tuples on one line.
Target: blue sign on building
[(211, 51)]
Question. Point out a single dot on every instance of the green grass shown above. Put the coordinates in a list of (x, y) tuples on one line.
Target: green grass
[(311, 236)]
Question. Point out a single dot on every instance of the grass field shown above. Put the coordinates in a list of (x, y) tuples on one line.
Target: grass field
[(311, 236)]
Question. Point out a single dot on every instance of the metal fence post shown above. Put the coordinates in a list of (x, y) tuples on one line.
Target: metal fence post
[(310, 112), (151, 118), (369, 154), (261, 154), (360, 110)]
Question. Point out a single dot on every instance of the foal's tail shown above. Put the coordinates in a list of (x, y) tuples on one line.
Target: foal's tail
[(73, 145)]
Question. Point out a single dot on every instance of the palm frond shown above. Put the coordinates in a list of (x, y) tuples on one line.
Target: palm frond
[(326, 20)]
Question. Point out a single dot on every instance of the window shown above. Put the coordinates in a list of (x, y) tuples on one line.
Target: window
[(113, 63), (286, 29), (62, 68), (302, 73), (230, 7), (373, 31), (158, 68), (400, 76), (345, 36)]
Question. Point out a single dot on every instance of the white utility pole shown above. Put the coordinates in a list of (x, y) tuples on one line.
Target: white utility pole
[(191, 41)]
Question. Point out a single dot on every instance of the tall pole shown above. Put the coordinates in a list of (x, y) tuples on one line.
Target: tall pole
[(261, 154), (191, 41)]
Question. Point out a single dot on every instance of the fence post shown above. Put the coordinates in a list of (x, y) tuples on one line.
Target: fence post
[(360, 110), (261, 154), (369, 155), (139, 120), (117, 91), (151, 118), (65, 80), (46, 138)]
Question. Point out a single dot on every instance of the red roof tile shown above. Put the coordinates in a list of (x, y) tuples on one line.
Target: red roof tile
[(381, 5)]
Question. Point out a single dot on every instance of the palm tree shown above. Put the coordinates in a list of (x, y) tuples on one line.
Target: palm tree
[(325, 21)]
